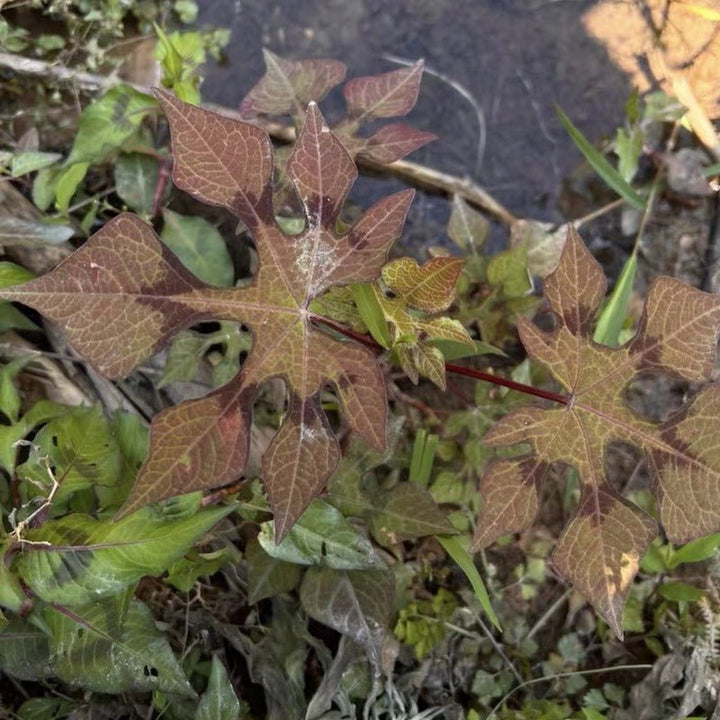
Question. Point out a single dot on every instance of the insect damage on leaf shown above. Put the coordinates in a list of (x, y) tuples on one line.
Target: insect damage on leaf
[(603, 543), (124, 294), (289, 85)]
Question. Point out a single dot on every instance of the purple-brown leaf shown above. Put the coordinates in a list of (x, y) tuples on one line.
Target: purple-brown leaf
[(390, 143), (391, 94), (124, 294), (603, 543), (119, 297), (288, 86)]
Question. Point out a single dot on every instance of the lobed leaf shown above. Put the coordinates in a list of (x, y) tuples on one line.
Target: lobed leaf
[(603, 543), (124, 294)]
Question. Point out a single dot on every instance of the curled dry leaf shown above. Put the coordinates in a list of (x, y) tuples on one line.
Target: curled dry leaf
[(603, 543), (124, 294)]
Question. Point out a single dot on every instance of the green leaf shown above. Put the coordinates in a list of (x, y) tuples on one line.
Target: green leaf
[(46, 708), (68, 184), (108, 123), (179, 55), (592, 714), (44, 187), (464, 561), (184, 573), (423, 456), (355, 603), (268, 576), (406, 511), (697, 550), (24, 651), (81, 445), (321, 536), (136, 177), (628, 148), (199, 246), (76, 559), (612, 316), (113, 646), (372, 313), (9, 396), (12, 596), (467, 228), (12, 274), (30, 160), (454, 350), (509, 270), (601, 166), (187, 10), (41, 412), (679, 591), (219, 701), (658, 558)]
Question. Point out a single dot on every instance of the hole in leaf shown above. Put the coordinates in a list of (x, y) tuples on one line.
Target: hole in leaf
[(150, 671), (207, 328), (625, 466), (654, 395)]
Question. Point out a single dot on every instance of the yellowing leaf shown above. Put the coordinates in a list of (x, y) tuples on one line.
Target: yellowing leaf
[(430, 287), (427, 288), (602, 545)]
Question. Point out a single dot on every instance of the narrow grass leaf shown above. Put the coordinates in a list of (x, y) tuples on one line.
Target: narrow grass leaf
[(612, 317), (464, 560), (601, 166)]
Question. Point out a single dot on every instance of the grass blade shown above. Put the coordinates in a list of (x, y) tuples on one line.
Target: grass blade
[(464, 560), (601, 166), (614, 313)]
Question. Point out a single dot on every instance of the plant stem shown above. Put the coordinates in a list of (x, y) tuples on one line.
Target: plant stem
[(449, 367), (507, 382)]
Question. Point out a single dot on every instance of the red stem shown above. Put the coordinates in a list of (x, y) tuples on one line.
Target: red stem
[(450, 367)]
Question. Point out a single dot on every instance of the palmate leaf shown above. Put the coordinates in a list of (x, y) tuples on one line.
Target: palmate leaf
[(602, 545), (289, 85), (124, 294)]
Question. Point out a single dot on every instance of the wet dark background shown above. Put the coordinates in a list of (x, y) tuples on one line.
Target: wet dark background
[(516, 58)]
